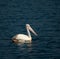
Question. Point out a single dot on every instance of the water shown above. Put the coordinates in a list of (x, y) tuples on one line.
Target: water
[(44, 18)]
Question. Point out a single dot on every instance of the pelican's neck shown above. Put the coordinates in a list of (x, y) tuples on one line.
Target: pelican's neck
[(28, 33)]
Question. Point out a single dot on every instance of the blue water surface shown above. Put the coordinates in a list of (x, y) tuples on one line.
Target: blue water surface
[(44, 18)]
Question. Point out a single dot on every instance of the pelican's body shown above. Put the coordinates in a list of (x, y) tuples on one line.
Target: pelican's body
[(23, 37)]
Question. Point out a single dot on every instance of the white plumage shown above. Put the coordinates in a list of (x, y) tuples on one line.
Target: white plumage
[(23, 37)]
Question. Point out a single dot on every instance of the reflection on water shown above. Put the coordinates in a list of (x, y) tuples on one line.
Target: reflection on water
[(21, 44), (24, 50), (25, 47)]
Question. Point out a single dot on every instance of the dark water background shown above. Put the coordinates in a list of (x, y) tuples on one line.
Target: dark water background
[(43, 16)]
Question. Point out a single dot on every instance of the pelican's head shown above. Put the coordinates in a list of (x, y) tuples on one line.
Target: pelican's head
[(29, 27)]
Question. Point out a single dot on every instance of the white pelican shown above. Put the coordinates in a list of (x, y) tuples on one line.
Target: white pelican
[(22, 37)]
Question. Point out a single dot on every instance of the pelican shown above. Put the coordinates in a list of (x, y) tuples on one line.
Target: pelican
[(23, 37)]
